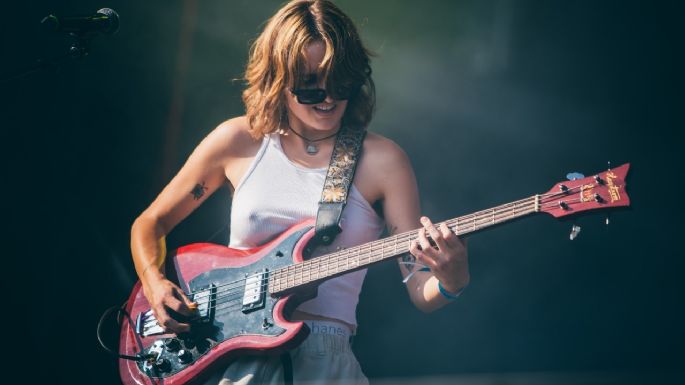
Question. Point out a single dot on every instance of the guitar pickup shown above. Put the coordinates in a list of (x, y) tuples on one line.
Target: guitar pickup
[(206, 304), (254, 293)]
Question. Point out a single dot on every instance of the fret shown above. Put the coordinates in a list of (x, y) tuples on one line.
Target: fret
[(301, 270), (337, 267), (292, 276), (362, 257), (319, 273), (280, 279), (287, 277), (334, 265), (347, 261), (284, 278), (316, 264), (312, 272), (329, 265), (322, 274)]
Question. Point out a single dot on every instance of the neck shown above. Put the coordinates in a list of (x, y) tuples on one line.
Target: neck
[(316, 270), (310, 133)]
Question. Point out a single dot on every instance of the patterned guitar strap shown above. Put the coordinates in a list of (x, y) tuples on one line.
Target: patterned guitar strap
[(336, 187)]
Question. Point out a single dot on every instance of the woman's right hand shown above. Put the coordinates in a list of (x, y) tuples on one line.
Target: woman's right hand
[(162, 295)]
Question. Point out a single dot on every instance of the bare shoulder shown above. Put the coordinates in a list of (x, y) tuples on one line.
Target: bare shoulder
[(384, 153), (232, 139), (383, 164)]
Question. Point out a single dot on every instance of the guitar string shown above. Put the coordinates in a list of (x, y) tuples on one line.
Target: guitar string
[(346, 252), (228, 294), (342, 256), (473, 219), (229, 305), (233, 300), (490, 214)]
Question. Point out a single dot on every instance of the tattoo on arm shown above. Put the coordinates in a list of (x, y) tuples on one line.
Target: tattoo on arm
[(198, 191)]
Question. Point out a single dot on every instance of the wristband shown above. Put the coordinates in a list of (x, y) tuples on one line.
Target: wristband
[(447, 294)]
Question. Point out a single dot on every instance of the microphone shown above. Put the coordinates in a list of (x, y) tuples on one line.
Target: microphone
[(105, 21)]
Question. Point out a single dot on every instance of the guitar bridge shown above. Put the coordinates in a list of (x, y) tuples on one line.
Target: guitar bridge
[(254, 294), (147, 324)]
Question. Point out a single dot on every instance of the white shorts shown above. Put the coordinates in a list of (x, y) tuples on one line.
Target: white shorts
[(325, 357)]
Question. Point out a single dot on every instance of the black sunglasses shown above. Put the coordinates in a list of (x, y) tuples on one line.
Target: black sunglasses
[(318, 95)]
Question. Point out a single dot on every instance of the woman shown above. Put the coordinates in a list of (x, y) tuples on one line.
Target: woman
[(308, 75)]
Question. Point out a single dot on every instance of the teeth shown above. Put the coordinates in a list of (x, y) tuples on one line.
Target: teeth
[(321, 108)]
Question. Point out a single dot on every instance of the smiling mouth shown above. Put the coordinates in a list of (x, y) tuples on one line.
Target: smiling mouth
[(328, 108)]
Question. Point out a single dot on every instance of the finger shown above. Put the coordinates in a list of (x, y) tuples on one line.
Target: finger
[(425, 244), (449, 236), (178, 306), (187, 304), (434, 233), (421, 257), (169, 324)]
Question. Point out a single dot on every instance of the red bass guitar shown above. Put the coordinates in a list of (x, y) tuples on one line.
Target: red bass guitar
[(245, 297)]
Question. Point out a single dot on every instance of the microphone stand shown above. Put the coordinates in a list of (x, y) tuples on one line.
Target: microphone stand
[(78, 48)]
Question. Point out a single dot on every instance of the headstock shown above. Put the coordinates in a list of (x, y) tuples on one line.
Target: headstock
[(604, 190)]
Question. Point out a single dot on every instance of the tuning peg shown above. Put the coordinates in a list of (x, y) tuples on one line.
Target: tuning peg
[(574, 176), (575, 230)]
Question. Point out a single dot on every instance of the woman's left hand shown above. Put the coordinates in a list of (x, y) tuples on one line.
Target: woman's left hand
[(448, 260)]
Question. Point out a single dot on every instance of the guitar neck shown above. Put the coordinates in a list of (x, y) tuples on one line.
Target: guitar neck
[(327, 266)]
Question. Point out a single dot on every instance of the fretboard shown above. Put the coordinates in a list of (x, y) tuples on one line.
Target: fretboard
[(358, 257)]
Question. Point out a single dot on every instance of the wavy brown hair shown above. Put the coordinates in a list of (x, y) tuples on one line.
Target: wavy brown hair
[(277, 63)]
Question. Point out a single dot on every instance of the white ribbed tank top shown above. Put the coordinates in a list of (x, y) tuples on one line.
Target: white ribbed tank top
[(275, 194)]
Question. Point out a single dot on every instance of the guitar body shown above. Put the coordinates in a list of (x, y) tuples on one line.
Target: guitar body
[(230, 328)]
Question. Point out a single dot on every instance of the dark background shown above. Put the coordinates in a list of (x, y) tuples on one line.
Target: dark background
[(493, 101)]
